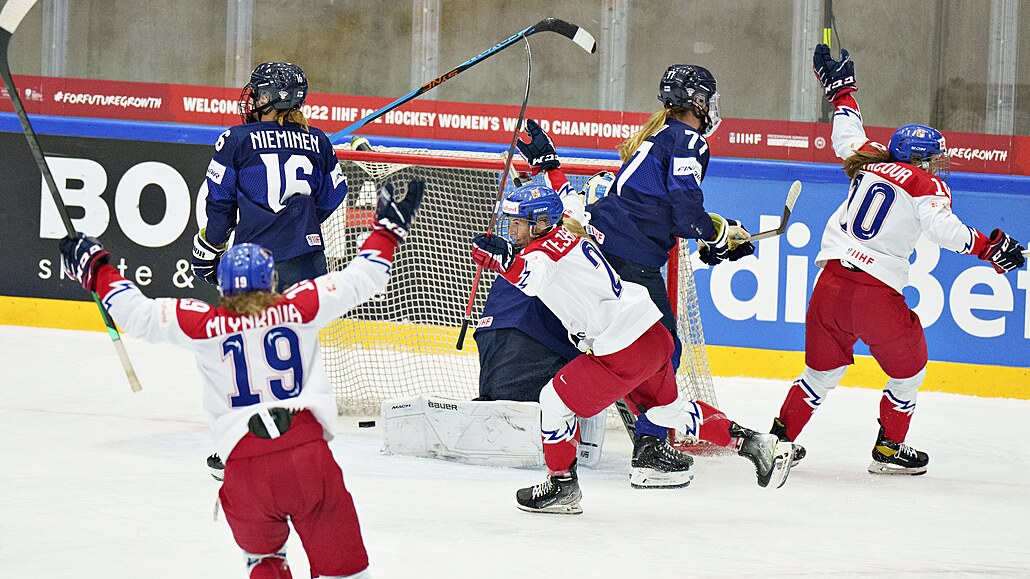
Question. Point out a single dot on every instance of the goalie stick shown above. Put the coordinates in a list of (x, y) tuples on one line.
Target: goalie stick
[(574, 33), (10, 17), (502, 181)]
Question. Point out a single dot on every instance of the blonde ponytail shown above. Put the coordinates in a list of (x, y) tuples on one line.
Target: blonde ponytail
[(294, 116), (853, 164), (657, 120)]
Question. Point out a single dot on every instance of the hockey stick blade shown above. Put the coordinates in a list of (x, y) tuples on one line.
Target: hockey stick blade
[(10, 17), (13, 13), (788, 206), (581, 37)]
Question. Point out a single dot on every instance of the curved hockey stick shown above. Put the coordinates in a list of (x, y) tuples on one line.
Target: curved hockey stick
[(788, 206), (502, 181), (10, 17), (574, 33)]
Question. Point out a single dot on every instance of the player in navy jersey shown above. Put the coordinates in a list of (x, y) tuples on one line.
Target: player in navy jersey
[(279, 173), (897, 193), (627, 353), (266, 394)]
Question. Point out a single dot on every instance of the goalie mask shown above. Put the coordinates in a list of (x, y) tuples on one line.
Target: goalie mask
[(283, 84), (598, 185), (923, 147), (692, 87), (246, 267), (539, 206)]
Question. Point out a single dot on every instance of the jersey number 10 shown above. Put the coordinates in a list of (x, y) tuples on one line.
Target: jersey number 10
[(874, 203)]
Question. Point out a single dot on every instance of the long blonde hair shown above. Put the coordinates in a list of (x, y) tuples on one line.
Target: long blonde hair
[(657, 120), (294, 116), (853, 164), (249, 303)]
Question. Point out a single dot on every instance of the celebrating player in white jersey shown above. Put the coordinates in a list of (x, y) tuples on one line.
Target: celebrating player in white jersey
[(266, 394), (897, 193), (628, 351)]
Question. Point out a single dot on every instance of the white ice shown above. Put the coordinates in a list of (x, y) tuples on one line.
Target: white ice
[(98, 482)]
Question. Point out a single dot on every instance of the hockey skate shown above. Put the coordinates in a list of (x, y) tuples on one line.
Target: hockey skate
[(214, 462), (780, 431), (657, 465), (558, 495), (891, 457), (772, 458)]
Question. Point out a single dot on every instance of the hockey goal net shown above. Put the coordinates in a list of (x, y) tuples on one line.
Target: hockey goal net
[(403, 342)]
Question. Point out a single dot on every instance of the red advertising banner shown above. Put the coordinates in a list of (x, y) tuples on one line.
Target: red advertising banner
[(429, 119)]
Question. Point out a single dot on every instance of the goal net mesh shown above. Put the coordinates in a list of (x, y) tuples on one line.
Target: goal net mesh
[(402, 342)]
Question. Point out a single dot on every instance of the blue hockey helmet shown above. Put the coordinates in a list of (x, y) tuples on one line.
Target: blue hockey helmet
[(532, 202), (283, 83), (692, 87), (921, 146), (597, 186), (246, 267)]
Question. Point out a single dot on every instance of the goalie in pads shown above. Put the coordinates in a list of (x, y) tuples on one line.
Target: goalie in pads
[(628, 351)]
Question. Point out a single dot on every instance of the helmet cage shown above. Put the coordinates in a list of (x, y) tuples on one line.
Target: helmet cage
[(923, 147), (692, 87)]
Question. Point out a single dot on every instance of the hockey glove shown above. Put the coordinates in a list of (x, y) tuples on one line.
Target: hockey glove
[(205, 258), (730, 242), (81, 256), (493, 252), (539, 151), (837, 78), (1004, 253), (395, 212)]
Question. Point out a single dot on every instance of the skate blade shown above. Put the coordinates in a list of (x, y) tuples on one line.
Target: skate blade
[(573, 509), (876, 467), (649, 478)]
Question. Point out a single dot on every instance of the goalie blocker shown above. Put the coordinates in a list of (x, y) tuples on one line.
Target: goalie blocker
[(495, 433)]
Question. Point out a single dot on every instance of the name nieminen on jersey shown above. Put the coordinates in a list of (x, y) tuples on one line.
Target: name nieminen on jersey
[(284, 140)]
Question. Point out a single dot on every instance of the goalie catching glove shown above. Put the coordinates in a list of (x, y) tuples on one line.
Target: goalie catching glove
[(205, 258), (1004, 253), (837, 78), (539, 151), (81, 256), (394, 212), (493, 252), (730, 242)]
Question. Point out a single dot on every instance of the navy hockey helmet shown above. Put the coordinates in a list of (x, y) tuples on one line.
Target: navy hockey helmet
[(923, 147), (692, 87), (283, 83), (246, 267), (532, 202)]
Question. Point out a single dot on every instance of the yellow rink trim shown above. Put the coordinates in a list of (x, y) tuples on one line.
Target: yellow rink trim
[(952, 377)]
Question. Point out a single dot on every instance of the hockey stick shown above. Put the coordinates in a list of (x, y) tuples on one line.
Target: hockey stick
[(788, 206), (500, 194), (581, 37), (10, 17)]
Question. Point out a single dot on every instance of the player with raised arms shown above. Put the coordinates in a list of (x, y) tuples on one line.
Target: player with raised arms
[(268, 399), (627, 353), (897, 193)]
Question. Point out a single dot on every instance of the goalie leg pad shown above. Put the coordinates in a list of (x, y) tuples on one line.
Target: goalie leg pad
[(501, 433), (591, 438)]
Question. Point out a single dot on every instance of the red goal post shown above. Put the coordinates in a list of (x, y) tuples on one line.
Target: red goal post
[(402, 342)]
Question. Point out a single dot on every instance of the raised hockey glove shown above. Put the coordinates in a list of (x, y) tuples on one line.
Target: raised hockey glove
[(493, 252), (730, 242), (395, 212), (539, 151), (1004, 253), (837, 78), (205, 258), (81, 256)]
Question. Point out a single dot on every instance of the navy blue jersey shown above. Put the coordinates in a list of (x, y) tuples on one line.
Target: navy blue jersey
[(509, 307), (284, 181), (657, 198)]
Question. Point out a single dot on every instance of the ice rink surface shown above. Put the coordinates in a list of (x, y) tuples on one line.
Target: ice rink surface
[(97, 482)]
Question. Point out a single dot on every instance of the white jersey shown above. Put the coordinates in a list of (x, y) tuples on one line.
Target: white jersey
[(247, 363), (572, 278), (888, 206)]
